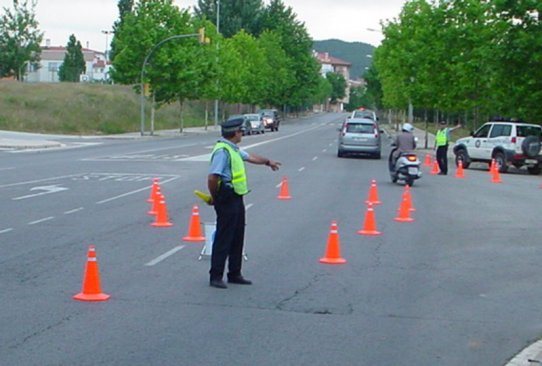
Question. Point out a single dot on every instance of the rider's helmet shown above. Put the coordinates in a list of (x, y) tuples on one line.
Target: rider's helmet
[(407, 127)]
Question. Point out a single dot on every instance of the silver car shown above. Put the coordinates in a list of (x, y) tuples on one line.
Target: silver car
[(256, 123), (360, 136)]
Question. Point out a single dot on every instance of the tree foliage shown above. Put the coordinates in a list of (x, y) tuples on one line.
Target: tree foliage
[(234, 15), (20, 38), (74, 62), (338, 86), (464, 58), (125, 7)]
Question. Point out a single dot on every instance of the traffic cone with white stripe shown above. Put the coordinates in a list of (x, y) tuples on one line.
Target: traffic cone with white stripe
[(162, 219), (194, 227), (154, 187), (91, 289), (369, 225), (333, 251), (373, 194)]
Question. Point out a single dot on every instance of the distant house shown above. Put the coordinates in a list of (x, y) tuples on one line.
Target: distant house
[(97, 69), (333, 64)]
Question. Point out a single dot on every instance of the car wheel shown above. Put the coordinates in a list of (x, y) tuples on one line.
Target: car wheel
[(461, 155), (531, 146), (501, 162), (534, 170)]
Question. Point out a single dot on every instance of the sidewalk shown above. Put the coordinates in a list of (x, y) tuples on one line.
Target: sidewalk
[(24, 141)]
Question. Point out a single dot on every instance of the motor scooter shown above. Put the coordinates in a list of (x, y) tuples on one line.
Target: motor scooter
[(406, 167)]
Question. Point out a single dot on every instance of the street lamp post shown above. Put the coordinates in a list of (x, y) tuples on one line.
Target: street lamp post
[(107, 33), (217, 31), (141, 83)]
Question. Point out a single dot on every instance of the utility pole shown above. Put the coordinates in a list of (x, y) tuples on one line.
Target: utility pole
[(107, 33)]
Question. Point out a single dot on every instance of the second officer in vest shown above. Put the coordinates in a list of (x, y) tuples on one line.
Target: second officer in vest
[(441, 143), (227, 184)]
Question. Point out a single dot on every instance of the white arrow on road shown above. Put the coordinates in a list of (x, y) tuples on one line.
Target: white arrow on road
[(44, 190)]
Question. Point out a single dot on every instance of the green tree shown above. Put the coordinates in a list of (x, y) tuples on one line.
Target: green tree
[(74, 62), (338, 86), (20, 39), (234, 15), (125, 7), (297, 44)]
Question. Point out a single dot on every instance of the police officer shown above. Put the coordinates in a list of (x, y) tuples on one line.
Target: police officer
[(441, 143), (227, 184)]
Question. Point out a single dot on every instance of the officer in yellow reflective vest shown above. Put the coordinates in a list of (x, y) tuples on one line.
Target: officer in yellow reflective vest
[(227, 184), (441, 143)]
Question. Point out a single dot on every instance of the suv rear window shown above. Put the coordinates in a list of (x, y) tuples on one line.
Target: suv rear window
[(500, 130), (360, 128), (524, 131), (363, 114)]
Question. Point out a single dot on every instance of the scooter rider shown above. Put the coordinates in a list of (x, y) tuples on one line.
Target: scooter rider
[(404, 142)]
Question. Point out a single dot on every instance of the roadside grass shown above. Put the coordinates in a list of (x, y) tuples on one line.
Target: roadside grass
[(80, 109)]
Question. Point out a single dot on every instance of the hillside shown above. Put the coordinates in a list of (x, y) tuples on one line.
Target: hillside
[(353, 52)]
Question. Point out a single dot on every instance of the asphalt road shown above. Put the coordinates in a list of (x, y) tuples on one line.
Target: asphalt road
[(458, 286)]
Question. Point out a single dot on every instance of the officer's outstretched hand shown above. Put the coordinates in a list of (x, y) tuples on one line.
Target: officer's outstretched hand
[(274, 165)]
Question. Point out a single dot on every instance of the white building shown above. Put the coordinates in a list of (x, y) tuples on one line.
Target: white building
[(97, 69)]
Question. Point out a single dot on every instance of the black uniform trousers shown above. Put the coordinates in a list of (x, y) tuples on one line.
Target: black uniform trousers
[(230, 233), (442, 158)]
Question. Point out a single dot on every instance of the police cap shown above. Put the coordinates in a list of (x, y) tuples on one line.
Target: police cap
[(232, 125)]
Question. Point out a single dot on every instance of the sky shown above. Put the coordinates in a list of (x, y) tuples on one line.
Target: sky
[(347, 20)]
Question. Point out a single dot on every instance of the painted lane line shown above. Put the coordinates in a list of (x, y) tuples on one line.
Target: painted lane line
[(248, 206), (73, 211), (39, 180), (8, 168), (164, 256), (41, 220), (301, 169), (6, 230), (132, 192), (315, 158), (324, 150)]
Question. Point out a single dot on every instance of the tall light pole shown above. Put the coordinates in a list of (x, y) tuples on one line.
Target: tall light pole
[(217, 31), (142, 75), (107, 33)]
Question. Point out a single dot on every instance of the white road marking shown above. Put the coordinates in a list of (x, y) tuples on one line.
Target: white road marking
[(39, 180), (315, 158), (528, 356), (44, 190), (164, 256), (324, 150), (301, 169), (249, 206), (41, 220), (6, 230), (8, 168), (73, 211)]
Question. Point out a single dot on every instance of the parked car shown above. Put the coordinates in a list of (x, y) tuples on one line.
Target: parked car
[(256, 124), (360, 136), (509, 143), (364, 113), (270, 118), (246, 128)]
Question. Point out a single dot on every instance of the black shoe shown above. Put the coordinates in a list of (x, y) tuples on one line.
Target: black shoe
[(217, 283), (240, 280), (441, 173)]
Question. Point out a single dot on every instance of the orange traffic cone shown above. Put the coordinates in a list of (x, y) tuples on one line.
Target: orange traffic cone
[(284, 194), (459, 171), (155, 202), (407, 196), (162, 219), (373, 194), (492, 167), (436, 168), (91, 290), (496, 176), (194, 227), (427, 160), (404, 212), (369, 225), (155, 185), (333, 251)]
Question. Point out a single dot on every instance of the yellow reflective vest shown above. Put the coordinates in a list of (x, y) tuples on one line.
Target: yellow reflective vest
[(441, 137), (238, 173)]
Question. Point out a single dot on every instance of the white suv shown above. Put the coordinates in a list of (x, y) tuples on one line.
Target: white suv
[(509, 143)]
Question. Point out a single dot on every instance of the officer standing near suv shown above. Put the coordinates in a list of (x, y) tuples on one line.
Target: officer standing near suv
[(227, 184), (441, 143)]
